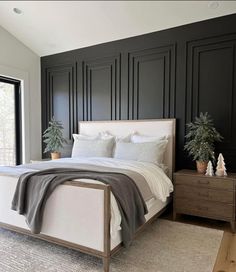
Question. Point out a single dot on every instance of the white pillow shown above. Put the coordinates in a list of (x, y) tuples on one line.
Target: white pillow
[(124, 139), (146, 152), (101, 135), (108, 135), (92, 148), (84, 137), (136, 138), (104, 135)]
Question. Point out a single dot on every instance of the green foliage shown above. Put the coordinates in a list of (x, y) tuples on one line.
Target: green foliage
[(53, 137), (201, 137)]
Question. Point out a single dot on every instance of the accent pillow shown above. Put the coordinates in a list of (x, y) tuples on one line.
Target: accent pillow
[(84, 137), (147, 152), (136, 138), (92, 148), (107, 135), (101, 135)]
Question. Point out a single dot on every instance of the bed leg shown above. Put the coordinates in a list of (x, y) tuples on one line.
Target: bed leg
[(106, 264)]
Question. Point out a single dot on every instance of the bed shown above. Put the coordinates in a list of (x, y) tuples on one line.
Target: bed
[(95, 229)]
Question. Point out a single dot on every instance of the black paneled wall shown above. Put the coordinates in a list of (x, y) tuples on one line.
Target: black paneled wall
[(177, 72)]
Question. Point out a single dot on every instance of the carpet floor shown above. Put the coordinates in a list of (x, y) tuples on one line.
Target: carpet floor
[(164, 246)]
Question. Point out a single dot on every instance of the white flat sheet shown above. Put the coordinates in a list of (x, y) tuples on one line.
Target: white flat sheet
[(161, 186), (159, 183), (154, 206)]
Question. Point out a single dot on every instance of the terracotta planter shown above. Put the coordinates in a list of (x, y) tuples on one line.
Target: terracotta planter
[(55, 155), (201, 167)]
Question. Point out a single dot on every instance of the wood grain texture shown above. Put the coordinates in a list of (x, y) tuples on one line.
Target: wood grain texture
[(226, 258), (200, 195), (205, 182)]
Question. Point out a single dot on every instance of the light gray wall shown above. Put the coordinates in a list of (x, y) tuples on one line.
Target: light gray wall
[(18, 61)]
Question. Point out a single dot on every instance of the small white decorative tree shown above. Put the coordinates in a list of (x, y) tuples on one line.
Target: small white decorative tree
[(220, 168), (209, 171)]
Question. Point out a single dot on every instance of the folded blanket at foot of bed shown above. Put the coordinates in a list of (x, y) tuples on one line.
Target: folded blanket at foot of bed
[(34, 188)]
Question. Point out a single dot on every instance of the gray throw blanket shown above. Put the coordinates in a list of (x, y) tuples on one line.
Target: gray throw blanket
[(34, 188)]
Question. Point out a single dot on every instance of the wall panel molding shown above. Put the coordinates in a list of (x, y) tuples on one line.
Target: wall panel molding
[(211, 75), (175, 73), (108, 68), (61, 99), (154, 63), (53, 73)]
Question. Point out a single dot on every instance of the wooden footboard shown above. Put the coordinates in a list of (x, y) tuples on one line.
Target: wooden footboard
[(106, 253), (106, 215)]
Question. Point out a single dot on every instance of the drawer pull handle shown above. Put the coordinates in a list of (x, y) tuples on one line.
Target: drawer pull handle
[(203, 208), (203, 181), (203, 195)]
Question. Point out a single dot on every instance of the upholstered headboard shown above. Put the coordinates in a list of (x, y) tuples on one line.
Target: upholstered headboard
[(156, 127)]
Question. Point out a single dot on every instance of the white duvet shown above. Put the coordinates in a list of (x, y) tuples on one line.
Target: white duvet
[(160, 185)]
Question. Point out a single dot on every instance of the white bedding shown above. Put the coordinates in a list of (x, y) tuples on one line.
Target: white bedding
[(159, 183)]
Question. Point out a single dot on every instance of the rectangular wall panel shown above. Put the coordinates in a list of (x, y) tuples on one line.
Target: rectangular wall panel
[(102, 88), (60, 99), (151, 82), (211, 86)]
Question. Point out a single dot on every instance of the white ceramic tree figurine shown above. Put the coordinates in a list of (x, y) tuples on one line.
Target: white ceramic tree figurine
[(209, 171), (220, 168)]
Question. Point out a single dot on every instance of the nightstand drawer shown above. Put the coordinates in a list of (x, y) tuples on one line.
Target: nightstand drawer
[(199, 193), (204, 208), (206, 182)]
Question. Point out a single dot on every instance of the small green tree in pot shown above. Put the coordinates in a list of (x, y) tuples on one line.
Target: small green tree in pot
[(201, 137), (53, 138)]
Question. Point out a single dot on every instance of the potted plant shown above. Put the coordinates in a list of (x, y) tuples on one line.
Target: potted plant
[(53, 138), (201, 137)]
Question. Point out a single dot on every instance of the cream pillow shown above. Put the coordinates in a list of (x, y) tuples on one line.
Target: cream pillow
[(107, 135), (101, 135), (136, 138), (84, 137)]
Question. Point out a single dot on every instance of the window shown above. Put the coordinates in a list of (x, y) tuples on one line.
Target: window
[(10, 122)]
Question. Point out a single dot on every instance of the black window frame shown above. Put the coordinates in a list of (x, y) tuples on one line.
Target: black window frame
[(18, 115)]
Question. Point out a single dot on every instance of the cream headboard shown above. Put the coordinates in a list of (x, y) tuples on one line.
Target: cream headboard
[(157, 127)]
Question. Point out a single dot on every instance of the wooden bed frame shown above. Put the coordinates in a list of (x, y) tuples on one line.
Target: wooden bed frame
[(107, 252)]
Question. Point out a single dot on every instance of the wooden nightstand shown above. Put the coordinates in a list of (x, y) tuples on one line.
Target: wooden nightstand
[(205, 196)]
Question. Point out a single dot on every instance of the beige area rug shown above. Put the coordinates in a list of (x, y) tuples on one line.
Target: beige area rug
[(165, 246)]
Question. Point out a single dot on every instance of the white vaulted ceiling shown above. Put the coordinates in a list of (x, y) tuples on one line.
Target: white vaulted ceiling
[(49, 27)]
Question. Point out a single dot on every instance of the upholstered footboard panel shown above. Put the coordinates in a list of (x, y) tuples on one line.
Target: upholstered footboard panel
[(74, 212)]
